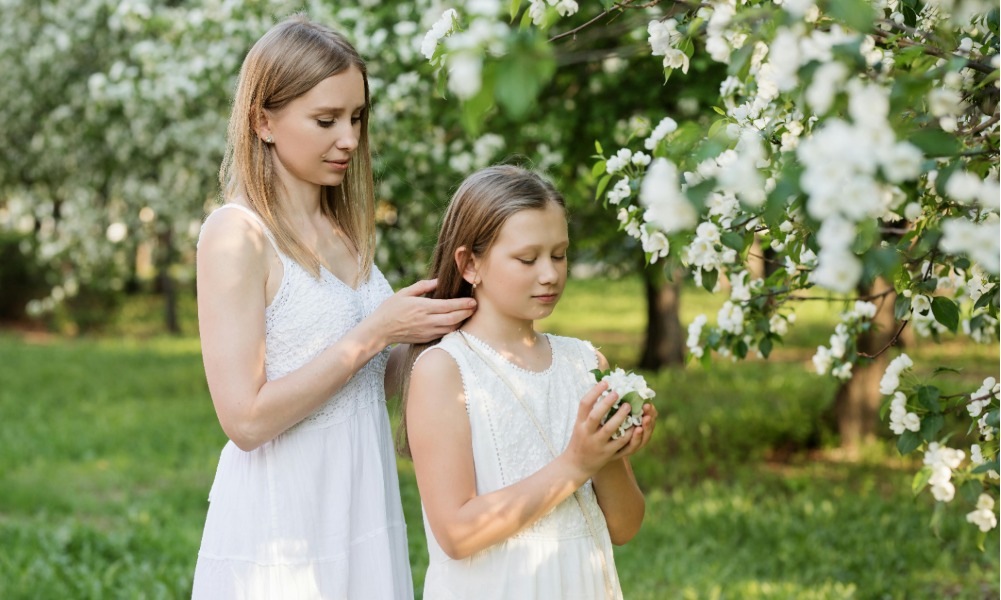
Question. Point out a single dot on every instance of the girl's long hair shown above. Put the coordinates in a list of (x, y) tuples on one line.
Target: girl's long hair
[(284, 64), (479, 208)]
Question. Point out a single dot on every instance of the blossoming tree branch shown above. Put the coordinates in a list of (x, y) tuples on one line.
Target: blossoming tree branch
[(855, 151)]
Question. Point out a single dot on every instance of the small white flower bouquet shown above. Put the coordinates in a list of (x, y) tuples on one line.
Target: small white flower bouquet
[(632, 389)]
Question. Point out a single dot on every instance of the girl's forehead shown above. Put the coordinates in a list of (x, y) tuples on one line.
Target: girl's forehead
[(540, 225)]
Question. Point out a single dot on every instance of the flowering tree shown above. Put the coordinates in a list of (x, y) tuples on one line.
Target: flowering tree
[(115, 121), (856, 142)]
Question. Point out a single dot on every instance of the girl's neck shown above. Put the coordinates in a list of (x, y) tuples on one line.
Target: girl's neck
[(507, 336)]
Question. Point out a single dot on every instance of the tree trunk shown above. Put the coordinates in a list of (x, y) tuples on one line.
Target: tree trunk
[(168, 289), (665, 337), (856, 406)]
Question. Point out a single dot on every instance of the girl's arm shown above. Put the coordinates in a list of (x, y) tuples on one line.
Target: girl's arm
[(462, 522), (232, 272), (619, 496)]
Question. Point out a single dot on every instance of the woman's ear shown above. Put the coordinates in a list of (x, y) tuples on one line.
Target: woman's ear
[(468, 264), (262, 125)]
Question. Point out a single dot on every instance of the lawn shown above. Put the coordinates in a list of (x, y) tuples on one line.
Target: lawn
[(108, 447)]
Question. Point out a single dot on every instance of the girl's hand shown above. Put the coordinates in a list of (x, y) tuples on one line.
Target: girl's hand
[(640, 435), (591, 445), (406, 317)]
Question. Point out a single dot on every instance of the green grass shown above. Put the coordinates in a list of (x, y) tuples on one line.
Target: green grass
[(108, 448)]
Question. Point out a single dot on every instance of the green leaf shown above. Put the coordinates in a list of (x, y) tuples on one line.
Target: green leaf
[(857, 14), (515, 5), (598, 168), (920, 480), (946, 312), (930, 426), (709, 279), (733, 240), (700, 191), (908, 442), (597, 148), (987, 298), (602, 184), (765, 347), (987, 466), (928, 396), (598, 374), (740, 60), (901, 307), (971, 490), (935, 142), (521, 75)]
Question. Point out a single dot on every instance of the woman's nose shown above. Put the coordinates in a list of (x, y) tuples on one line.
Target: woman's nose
[(348, 139)]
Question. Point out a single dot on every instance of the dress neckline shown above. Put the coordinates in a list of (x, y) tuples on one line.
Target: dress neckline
[(503, 359)]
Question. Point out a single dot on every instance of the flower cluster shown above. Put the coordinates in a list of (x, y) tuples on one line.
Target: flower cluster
[(983, 517), (838, 358), (942, 460), (632, 389), (891, 377), (664, 37), (539, 9)]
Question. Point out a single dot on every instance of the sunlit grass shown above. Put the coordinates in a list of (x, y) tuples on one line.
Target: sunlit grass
[(108, 447)]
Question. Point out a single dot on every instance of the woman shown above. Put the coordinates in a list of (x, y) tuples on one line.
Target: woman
[(295, 321)]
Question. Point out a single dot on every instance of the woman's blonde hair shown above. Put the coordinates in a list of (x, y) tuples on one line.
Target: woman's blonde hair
[(291, 58), (479, 208)]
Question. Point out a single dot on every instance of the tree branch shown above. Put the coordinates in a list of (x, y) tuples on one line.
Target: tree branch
[(932, 50)]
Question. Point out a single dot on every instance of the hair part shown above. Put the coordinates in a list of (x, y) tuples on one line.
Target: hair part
[(473, 219), (285, 63)]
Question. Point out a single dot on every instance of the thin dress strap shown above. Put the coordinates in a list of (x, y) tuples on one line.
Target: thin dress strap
[(257, 219)]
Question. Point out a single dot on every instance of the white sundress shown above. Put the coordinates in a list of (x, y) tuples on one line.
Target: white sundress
[(315, 513), (555, 558)]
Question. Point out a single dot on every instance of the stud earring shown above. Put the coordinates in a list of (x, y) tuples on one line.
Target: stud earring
[(269, 140)]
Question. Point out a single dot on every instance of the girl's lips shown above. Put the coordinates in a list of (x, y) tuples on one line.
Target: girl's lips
[(547, 297), (340, 165)]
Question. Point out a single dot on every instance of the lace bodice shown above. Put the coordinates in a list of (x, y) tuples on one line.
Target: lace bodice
[(507, 446), (306, 316)]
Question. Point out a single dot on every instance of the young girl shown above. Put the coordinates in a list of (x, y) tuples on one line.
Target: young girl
[(523, 489), (294, 322)]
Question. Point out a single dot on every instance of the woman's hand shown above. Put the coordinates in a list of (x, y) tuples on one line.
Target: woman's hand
[(591, 445), (407, 317)]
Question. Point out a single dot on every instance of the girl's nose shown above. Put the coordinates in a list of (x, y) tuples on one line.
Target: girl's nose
[(549, 272)]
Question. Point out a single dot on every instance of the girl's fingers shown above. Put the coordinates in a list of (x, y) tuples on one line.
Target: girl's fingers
[(613, 422), (587, 403)]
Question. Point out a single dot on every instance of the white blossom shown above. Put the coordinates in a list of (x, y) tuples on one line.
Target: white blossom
[(666, 206), (666, 126), (983, 517), (891, 377)]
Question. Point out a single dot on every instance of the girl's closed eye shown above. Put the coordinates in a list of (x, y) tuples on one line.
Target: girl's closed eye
[(325, 123)]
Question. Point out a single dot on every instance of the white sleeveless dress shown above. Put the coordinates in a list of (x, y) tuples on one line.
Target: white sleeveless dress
[(316, 512), (555, 558)]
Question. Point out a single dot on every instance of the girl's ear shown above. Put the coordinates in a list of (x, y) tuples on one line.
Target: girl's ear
[(468, 264)]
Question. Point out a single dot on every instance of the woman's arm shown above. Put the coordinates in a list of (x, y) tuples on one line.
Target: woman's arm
[(619, 496), (232, 272), (462, 522)]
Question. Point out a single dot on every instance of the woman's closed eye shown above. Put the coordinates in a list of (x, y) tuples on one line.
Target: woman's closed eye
[(326, 123)]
